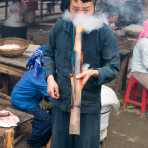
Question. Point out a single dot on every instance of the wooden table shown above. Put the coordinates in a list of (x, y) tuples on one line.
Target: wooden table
[(14, 66), (7, 135)]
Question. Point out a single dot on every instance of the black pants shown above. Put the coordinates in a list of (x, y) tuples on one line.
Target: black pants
[(41, 128), (90, 131)]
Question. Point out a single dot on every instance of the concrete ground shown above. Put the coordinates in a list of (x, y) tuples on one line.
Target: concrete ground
[(127, 130)]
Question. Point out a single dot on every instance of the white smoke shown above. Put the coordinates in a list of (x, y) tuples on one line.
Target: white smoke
[(129, 11), (116, 2), (88, 23)]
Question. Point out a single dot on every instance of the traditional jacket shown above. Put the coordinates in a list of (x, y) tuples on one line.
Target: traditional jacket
[(100, 52)]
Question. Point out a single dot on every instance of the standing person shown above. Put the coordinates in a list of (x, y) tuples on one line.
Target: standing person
[(100, 51), (30, 7)]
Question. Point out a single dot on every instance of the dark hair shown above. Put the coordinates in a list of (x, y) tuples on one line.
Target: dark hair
[(84, 1)]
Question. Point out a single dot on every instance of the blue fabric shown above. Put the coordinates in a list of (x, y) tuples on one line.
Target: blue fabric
[(36, 60), (29, 91), (41, 128)]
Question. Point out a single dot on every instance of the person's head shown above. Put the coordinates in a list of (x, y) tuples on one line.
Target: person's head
[(86, 7), (112, 19)]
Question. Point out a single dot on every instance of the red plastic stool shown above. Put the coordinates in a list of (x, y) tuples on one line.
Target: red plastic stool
[(132, 94)]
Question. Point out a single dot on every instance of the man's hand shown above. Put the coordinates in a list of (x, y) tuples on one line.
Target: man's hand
[(52, 87), (86, 74)]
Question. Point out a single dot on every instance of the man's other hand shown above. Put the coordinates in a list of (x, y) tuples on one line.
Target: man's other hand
[(86, 74)]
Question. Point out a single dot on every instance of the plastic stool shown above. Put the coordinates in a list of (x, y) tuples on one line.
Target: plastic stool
[(132, 94)]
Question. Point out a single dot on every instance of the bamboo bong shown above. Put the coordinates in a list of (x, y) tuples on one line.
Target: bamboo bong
[(74, 127)]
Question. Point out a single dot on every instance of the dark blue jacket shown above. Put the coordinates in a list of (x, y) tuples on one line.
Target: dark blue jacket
[(100, 51)]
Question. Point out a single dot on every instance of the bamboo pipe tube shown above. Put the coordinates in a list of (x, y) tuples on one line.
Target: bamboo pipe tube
[(74, 127)]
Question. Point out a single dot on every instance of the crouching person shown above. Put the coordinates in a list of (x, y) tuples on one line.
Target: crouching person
[(27, 96)]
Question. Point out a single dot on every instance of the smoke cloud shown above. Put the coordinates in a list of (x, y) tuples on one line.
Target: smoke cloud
[(88, 23), (128, 11)]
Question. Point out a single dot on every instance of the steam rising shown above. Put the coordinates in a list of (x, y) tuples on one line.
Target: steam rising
[(129, 11)]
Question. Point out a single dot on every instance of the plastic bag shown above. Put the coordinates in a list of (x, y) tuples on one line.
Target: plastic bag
[(109, 98)]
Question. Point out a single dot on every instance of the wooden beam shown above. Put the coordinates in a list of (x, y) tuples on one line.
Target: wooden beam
[(5, 96), (9, 70)]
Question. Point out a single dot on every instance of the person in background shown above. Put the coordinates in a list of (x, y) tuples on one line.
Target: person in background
[(129, 11), (139, 62), (110, 11), (30, 6), (15, 15), (100, 52)]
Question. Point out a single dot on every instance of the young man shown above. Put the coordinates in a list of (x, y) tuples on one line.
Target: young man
[(100, 51)]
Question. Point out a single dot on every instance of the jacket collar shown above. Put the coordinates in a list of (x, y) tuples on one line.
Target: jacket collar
[(68, 26)]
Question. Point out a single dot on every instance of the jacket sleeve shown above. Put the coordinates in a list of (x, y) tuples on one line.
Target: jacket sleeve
[(49, 60), (110, 59)]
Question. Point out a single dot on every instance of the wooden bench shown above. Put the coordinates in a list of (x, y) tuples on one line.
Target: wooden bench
[(11, 136)]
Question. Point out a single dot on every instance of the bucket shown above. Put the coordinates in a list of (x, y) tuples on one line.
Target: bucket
[(105, 116)]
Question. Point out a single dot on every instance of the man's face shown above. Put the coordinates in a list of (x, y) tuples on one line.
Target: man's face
[(78, 7)]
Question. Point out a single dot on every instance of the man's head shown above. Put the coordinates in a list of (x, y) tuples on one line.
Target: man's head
[(81, 7)]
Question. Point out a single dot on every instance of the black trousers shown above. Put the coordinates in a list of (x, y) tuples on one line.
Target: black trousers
[(89, 132)]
